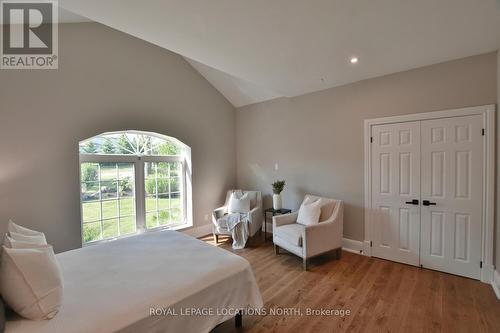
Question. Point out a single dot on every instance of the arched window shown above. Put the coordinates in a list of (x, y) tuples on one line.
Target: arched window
[(133, 182)]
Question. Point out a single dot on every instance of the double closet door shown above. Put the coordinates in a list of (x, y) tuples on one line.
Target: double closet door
[(427, 188)]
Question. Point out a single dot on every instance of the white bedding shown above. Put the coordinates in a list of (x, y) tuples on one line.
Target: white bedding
[(111, 287), (237, 224)]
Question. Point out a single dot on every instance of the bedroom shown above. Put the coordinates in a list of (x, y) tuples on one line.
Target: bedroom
[(246, 94)]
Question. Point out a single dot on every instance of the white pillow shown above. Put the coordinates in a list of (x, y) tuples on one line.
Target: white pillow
[(23, 234), (239, 203), (12, 227), (35, 239), (11, 243), (309, 212), (31, 281)]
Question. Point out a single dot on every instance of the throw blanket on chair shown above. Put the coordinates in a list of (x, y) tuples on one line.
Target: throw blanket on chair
[(237, 224)]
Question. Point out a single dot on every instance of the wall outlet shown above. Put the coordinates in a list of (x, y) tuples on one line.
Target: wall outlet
[(206, 217), (276, 167)]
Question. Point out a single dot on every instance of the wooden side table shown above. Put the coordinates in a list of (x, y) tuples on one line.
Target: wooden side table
[(274, 212)]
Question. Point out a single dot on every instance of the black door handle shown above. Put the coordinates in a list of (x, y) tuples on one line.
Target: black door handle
[(413, 202), (428, 203)]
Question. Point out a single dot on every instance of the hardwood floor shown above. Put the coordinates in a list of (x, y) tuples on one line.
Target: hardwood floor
[(382, 296)]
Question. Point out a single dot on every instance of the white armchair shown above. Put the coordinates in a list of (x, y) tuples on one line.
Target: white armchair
[(312, 240), (255, 216)]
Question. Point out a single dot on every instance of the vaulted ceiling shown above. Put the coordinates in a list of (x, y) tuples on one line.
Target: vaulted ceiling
[(255, 50)]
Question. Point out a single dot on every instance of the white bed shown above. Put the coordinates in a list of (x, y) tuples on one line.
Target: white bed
[(111, 287)]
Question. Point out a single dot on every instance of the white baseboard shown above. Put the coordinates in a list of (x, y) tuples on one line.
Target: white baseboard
[(198, 231), (351, 245), (367, 248), (487, 273), (495, 283)]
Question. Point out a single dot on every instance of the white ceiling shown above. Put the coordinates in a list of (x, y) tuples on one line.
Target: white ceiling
[(254, 50), (237, 91)]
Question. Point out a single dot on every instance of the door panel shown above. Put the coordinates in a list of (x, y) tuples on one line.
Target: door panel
[(395, 181), (437, 174), (452, 178), (437, 234)]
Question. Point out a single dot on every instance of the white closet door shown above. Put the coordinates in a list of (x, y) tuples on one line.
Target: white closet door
[(395, 183), (452, 182)]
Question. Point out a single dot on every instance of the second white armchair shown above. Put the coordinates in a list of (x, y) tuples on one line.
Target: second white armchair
[(307, 241)]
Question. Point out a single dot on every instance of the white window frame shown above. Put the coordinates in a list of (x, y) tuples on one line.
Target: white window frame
[(139, 182)]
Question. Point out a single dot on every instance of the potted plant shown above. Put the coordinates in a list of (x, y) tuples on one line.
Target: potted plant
[(278, 187)]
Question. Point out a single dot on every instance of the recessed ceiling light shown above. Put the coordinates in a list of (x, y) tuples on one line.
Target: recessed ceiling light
[(353, 60)]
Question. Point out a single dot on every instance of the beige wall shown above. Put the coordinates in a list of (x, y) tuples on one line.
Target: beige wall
[(106, 81), (317, 139)]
